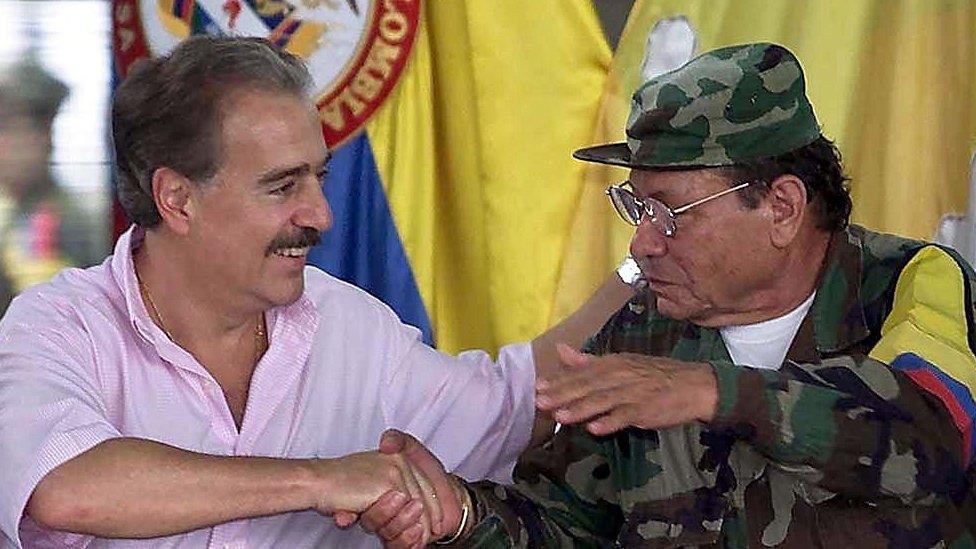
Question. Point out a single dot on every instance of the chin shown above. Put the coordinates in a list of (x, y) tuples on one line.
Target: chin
[(287, 295), (673, 310)]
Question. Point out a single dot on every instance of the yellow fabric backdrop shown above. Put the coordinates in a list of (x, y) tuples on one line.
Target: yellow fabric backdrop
[(474, 150), (506, 233)]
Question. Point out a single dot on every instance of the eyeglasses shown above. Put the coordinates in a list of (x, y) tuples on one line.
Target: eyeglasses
[(632, 209)]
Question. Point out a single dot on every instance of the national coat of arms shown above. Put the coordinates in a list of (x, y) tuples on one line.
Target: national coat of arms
[(355, 49)]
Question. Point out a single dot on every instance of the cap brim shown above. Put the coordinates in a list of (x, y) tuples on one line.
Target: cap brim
[(614, 154)]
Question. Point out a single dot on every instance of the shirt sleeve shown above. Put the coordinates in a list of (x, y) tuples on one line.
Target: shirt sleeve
[(897, 422), (50, 406), (475, 414)]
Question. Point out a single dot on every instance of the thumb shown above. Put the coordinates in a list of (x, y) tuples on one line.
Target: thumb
[(345, 519), (392, 441), (570, 356)]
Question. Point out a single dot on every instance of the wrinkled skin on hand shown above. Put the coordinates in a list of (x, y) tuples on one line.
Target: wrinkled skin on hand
[(616, 391)]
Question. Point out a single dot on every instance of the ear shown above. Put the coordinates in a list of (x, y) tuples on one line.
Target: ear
[(173, 194), (787, 204)]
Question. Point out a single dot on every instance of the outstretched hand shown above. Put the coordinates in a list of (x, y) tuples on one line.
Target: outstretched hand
[(616, 391)]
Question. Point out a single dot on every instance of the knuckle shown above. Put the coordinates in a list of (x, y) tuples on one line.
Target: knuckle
[(624, 413)]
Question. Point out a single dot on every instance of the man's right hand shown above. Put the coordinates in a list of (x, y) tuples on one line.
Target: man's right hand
[(394, 518), (352, 483)]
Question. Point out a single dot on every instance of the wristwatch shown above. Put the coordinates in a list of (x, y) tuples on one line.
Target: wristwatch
[(630, 273)]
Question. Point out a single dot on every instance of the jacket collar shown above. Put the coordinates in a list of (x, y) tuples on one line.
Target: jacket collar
[(837, 318)]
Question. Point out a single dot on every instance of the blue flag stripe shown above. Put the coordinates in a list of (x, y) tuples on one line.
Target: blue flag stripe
[(363, 246)]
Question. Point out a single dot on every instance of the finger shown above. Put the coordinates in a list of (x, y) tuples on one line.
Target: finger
[(432, 470), (572, 388), (593, 405), (432, 504), (571, 357), (345, 519), (383, 510), (392, 441), (400, 523), (415, 490), (567, 357), (412, 537), (610, 423)]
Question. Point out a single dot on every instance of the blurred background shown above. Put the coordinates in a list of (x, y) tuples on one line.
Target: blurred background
[(55, 176), (457, 202)]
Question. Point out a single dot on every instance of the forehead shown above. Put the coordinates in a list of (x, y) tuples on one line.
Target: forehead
[(677, 185), (268, 128)]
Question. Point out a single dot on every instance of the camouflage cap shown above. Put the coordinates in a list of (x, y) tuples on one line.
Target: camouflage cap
[(731, 104)]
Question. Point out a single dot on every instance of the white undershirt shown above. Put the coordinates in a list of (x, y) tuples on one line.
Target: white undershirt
[(764, 344)]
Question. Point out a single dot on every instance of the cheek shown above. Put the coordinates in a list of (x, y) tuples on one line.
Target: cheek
[(703, 260)]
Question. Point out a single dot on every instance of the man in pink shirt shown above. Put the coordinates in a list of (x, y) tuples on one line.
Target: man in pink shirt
[(202, 387)]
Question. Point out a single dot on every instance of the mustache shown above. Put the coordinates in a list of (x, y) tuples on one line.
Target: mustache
[(306, 236)]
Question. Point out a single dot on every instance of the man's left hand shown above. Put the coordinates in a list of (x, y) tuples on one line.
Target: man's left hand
[(616, 391)]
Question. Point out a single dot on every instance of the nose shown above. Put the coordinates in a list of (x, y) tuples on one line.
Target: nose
[(648, 240), (314, 211)]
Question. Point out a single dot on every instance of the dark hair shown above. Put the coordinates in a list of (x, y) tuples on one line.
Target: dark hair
[(167, 112), (818, 165)]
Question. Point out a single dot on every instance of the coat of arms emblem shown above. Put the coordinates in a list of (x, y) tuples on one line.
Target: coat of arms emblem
[(355, 49)]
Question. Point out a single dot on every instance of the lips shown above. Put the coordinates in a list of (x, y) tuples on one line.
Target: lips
[(300, 251)]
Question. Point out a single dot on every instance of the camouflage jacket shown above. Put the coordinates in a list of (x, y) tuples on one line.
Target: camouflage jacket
[(862, 439)]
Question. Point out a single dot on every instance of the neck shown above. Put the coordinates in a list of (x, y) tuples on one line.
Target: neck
[(191, 313), (798, 277)]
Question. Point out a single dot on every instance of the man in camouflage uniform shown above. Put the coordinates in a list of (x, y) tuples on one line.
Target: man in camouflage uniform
[(847, 419)]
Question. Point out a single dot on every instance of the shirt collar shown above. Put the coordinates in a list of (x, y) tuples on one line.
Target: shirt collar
[(292, 324), (124, 273)]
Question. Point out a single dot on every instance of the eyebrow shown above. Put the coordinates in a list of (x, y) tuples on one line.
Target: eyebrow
[(284, 173), (279, 174), (659, 194)]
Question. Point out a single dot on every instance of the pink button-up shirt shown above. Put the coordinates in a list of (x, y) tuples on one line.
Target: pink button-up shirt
[(81, 362)]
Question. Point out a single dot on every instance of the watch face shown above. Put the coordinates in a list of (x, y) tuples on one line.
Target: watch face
[(628, 271)]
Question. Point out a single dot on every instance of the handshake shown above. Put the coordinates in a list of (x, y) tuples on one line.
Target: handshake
[(401, 493)]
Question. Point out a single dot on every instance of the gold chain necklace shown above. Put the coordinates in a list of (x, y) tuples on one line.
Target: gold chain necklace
[(259, 335)]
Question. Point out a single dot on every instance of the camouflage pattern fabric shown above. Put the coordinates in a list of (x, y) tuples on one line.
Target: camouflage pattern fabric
[(833, 450), (731, 104)]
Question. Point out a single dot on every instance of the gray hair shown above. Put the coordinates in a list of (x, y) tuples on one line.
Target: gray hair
[(167, 112)]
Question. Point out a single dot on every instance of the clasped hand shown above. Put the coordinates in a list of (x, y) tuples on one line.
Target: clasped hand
[(408, 505)]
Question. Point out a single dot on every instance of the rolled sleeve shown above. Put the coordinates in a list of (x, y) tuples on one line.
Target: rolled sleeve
[(50, 412)]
